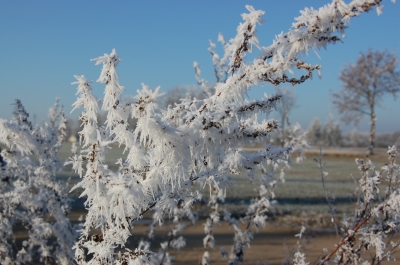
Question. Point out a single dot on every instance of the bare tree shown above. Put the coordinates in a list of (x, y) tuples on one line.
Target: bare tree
[(332, 133), (314, 132), (364, 86), (328, 134), (177, 93), (284, 106)]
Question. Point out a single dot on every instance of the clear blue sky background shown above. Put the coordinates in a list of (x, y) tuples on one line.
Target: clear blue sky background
[(45, 43)]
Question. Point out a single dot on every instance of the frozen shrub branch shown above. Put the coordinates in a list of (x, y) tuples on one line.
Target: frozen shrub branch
[(196, 141), (374, 220), (29, 192), (329, 201)]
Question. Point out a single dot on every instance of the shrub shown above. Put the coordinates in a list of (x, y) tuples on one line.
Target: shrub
[(199, 141), (29, 192)]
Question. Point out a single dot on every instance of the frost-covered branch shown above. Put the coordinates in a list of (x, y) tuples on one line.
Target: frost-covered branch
[(30, 193), (194, 142), (324, 174), (374, 220)]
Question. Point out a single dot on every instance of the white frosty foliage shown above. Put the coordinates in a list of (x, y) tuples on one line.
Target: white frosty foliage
[(300, 259), (376, 217), (194, 142), (109, 77), (245, 38), (29, 192), (170, 152), (163, 160)]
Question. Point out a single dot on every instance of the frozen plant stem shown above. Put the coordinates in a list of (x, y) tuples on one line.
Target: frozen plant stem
[(375, 219), (323, 175)]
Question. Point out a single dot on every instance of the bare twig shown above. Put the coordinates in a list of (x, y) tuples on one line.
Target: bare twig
[(323, 175)]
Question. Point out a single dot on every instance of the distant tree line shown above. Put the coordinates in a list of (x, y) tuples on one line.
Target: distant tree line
[(328, 134), (361, 139)]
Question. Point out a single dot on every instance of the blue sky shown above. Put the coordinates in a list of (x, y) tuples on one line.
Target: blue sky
[(45, 43)]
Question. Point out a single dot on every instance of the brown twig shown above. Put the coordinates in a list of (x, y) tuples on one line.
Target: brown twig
[(344, 240)]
